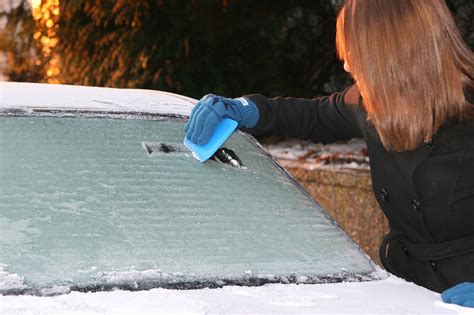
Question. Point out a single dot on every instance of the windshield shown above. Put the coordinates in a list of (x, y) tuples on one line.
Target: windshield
[(99, 203)]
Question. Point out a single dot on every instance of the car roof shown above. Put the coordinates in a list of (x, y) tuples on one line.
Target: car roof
[(39, 97)]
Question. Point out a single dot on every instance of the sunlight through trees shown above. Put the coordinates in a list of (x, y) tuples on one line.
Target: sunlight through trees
[(46, 15)]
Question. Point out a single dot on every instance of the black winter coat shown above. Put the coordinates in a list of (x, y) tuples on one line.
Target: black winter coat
[(427, 194)]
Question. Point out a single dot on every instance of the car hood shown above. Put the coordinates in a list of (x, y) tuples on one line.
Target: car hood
[(389, 296)]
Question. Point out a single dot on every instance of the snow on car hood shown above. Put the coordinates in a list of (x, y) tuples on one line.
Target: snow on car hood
[(389, 296)]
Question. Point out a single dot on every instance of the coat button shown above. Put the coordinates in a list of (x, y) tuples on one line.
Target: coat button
[(434, 265), (405, 250), (416, 205), (428, 144), (384, 194)]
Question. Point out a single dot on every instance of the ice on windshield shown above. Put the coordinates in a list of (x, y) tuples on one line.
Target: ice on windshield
[(94, 204)]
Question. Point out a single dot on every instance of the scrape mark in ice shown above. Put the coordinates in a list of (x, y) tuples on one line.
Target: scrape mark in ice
[(166, 148), (152, 148), (227, 156)]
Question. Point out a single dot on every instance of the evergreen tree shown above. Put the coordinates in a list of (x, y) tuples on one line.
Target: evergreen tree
[(190, 47), (196, 47), (18, 45)]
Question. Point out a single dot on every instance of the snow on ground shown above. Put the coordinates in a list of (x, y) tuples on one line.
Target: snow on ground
[(351, 154), (388, 296)]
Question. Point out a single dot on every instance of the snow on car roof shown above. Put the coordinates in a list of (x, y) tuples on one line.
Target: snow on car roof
[(37, 97)]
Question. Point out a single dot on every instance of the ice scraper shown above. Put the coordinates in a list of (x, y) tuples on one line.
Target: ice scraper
[(203, 152)]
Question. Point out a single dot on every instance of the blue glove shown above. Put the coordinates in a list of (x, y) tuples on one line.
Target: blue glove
[(461, 294), (212, 109)]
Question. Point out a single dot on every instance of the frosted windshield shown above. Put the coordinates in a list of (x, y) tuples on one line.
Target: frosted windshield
[(93, 204)]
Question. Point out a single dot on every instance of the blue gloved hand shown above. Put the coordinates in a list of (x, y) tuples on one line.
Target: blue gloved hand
[(212, 109), (461, 294)]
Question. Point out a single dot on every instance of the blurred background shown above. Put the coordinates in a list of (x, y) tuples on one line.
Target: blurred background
[(190, 47)]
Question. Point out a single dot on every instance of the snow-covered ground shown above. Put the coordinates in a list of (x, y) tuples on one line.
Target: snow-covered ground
[(388, 296), (351, 154)]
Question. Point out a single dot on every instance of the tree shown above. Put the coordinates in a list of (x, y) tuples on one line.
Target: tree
[(195, 47), (18, 45), (228, 47)]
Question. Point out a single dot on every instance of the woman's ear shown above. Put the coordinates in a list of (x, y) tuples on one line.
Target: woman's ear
[(346, 66)]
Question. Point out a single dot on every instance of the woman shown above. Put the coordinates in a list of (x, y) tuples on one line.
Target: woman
[(412, 103)]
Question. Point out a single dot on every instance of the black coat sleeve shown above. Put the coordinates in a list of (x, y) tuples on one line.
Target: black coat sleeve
[(324, 119)]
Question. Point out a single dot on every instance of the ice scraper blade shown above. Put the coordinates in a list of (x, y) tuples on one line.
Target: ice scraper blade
[(223, 131)]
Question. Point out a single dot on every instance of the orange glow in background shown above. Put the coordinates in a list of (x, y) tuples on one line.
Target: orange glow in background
[(46, 16)]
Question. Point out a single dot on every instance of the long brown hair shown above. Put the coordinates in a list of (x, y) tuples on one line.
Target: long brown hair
[(410, 64)]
